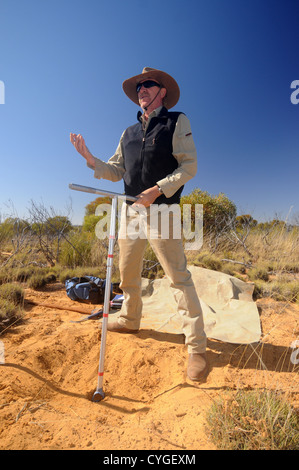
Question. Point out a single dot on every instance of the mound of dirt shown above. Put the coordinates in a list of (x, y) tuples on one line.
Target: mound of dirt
[(50, 374)]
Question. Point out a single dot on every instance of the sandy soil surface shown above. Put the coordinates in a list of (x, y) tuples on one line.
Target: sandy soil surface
[(50, 375)]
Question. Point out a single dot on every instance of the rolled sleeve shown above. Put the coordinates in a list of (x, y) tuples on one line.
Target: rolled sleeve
[(114, 169), (185, 153)]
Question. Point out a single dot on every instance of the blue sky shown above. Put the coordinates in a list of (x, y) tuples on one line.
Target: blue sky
[(63, 62)]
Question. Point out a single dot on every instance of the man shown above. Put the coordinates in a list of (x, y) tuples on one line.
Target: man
[(155, 158)]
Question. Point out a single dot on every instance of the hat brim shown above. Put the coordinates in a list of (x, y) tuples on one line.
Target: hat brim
[(165, 80)]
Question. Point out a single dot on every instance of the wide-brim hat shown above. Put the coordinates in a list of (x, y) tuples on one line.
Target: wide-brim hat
[(165, 80)]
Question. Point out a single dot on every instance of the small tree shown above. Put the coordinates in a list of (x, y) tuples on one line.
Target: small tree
[(217, 210), (245, 220), (47, 226), (90, 219), (91, 207), (58, 225)]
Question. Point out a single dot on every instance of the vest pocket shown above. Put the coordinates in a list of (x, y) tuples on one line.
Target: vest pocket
[(157, 137)]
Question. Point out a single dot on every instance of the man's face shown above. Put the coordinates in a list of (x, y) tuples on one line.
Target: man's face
[(146, 95)]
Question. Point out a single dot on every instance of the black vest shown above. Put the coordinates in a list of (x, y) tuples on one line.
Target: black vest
[(148, 155)]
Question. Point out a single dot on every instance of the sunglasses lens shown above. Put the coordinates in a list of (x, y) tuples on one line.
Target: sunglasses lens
[(146, 84)]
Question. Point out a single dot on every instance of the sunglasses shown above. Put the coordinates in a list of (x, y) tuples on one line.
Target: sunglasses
[(146, 84)]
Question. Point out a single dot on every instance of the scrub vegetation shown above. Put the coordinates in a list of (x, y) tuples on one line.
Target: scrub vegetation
[(47, 248)]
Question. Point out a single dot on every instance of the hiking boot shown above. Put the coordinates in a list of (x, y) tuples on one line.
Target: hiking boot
[(198, 367), (117, 328)]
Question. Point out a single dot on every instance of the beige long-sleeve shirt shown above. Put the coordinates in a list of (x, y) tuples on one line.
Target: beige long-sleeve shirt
[(183, 150)]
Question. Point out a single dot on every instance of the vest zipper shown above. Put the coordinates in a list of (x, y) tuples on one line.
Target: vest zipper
[(143, 146)]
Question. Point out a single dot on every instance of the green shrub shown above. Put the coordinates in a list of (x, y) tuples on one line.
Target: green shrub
[(23, 274), (19, 274), (228, 269), (12, 292), (11, 299), (286, 291), (77, 252), (37, 281), (258, 273), (208, 261), (90, 222), (84, 249), (217, 210), (8, 309), (4, 276), (68, 273)]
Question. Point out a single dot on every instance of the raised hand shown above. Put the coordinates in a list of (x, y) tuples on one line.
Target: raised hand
[(79, 143)]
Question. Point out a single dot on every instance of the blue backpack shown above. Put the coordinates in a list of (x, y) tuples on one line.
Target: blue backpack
[(89, 289)]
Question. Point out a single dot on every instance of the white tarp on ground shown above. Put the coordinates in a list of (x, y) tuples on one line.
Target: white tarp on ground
[(230, 314)]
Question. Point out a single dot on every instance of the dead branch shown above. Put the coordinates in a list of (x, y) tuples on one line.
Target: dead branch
[(247, 265), (58, 307)]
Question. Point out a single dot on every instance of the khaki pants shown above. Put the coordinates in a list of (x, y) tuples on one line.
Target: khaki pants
[(170, 253)]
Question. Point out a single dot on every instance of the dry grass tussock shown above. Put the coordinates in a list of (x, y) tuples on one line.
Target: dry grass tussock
[(254, 420)]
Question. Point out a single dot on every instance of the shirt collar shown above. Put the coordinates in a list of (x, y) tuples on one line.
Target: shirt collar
[(145, 122)]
